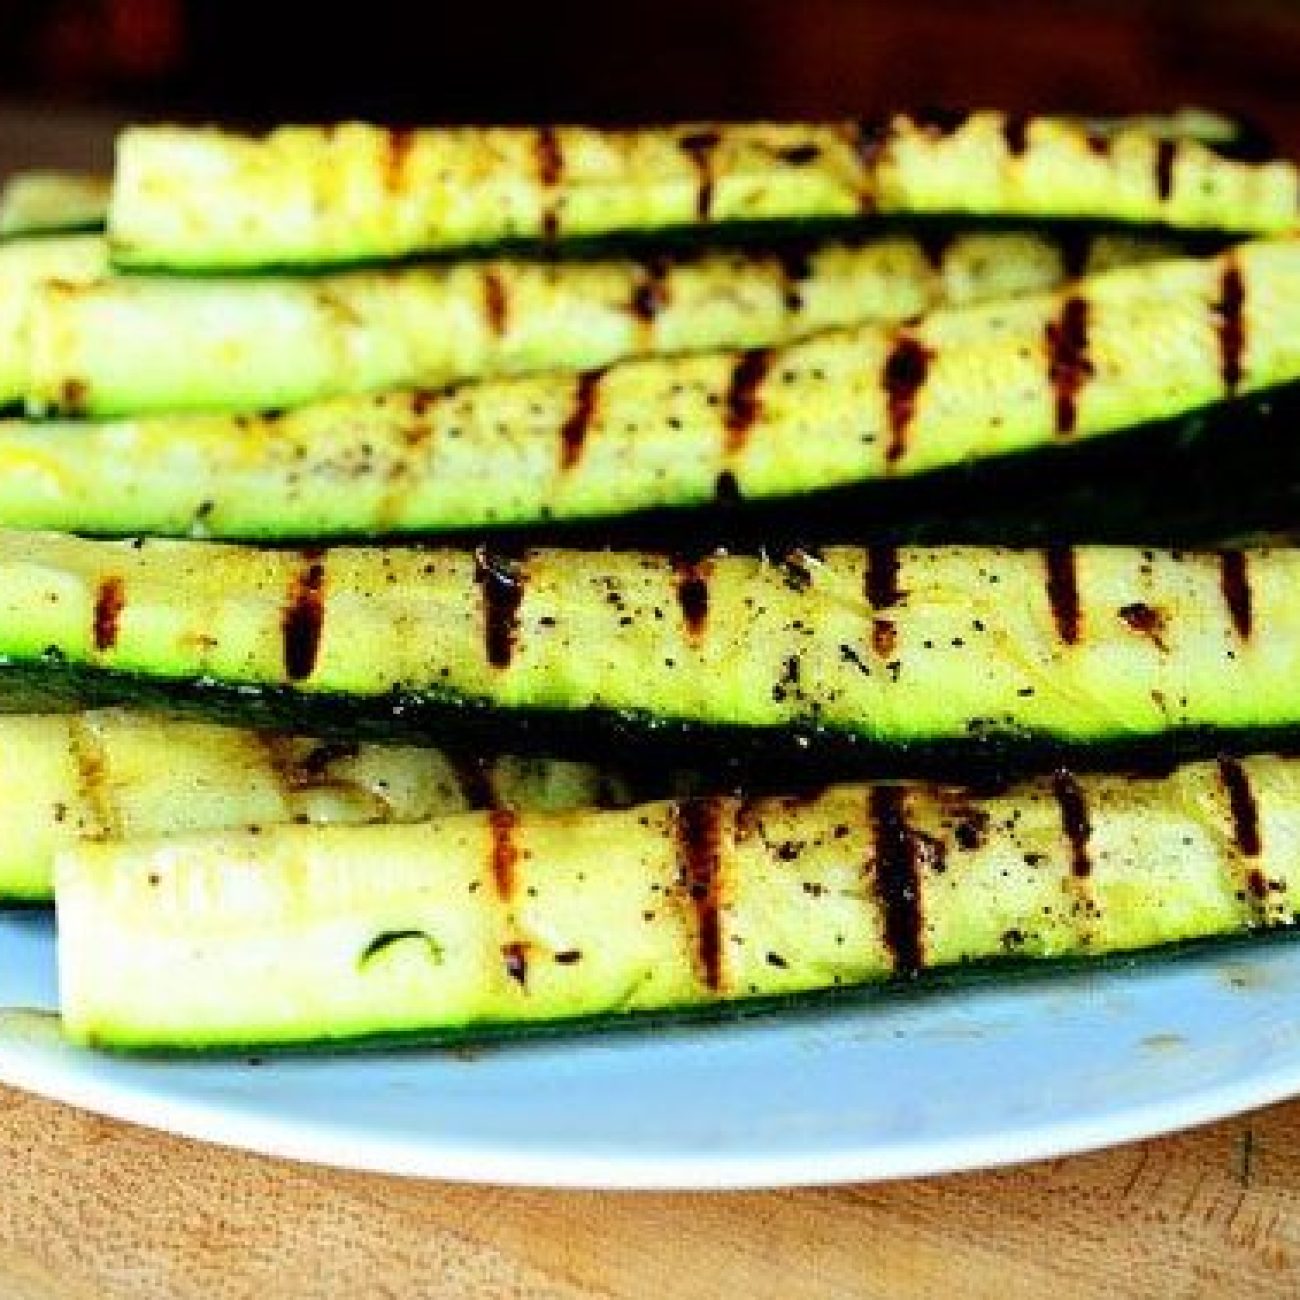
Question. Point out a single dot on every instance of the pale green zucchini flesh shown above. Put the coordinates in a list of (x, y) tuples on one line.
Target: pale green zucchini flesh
[(208, 199), (139, 344), (52, 202), (310, 935), (1117, 351), (847, 652), (119, 775)]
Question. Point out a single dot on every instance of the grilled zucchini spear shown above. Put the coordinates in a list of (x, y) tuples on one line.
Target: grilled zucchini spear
[(301, 936), (52, 202), (120, 775), (206, 199), (848, 653), (134, 344), (1117, 351)]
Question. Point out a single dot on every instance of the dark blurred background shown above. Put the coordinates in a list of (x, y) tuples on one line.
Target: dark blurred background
[(255, 61)]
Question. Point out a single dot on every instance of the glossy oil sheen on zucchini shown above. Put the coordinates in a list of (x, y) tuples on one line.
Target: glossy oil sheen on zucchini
[(1116, 351), (847, 652), (321, 935), (133, 344), (119, 775), (208, 199)]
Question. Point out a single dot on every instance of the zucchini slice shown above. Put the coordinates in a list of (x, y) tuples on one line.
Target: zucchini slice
[(848, 653), (1120, 350), (52, 202), (118, 775), (319, 935), (138, 344), (28, 267), (205, 199)]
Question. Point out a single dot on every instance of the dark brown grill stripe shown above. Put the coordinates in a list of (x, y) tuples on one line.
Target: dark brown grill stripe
[(550, 171), (496, 303), (304, 618), (1234, 580), (515, 956), (939, 122), (1166, 152), (692, 593), (1015, 131), (796, 266), (699, 147), (1068, 365), (894, 879), (1063, 591), (743, 403), (903, 377), (474, 776), (503, 591), (882, 592), (399, 142), (1074, 820), (93, 785), (651, 295), (505, 852), (1242, 806), (109, 602), (1232, 326), (1075, 248), (699, 857), (573, 433)]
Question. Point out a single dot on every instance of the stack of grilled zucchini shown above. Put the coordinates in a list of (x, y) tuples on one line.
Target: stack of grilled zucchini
[(688, 477)]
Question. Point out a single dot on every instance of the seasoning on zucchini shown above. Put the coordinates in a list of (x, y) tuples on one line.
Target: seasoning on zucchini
[(135, 344), (847, 653), (118, 775), (204, 199), (52, 202), (320, 935), (1114, 352)]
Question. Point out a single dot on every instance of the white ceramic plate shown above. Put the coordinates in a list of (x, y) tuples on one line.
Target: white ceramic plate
[(921, 1081)]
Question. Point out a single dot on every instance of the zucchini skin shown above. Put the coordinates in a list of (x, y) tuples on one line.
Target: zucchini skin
[(125, 345), (119, 775), (848, 653), (856, 407), (52, 203), (207, 199), (293, 936)]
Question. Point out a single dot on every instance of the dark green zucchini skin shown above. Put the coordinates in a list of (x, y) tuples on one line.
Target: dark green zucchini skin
[(704, 757)]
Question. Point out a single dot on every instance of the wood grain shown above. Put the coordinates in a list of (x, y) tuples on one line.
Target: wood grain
[(95, 1210)]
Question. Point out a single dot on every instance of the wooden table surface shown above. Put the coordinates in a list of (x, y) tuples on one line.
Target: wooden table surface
[(95, 1210)]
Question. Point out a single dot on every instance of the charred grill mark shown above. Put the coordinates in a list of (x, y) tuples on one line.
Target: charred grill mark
[(1229, 314), (1074, 820), (1068, 365), (1145, 620), (304, 618), (796, 267), (699, 870), (1075, 248), (550, 171), (515, 956), (314, 765), (496, 303), (110, 600), (91, 762), (799, 155), (573, 433), (935, 244), (904, 376), (502, 581), (699, 146), (1063, 591), (1015, 131), (651, 295), (474, 776), (883, 592), (938, 121), (398, 141), (1241, 806), (692, 593), (1166, 154), (743, 403), (1234, 580), (895, 879), (504, 851)]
